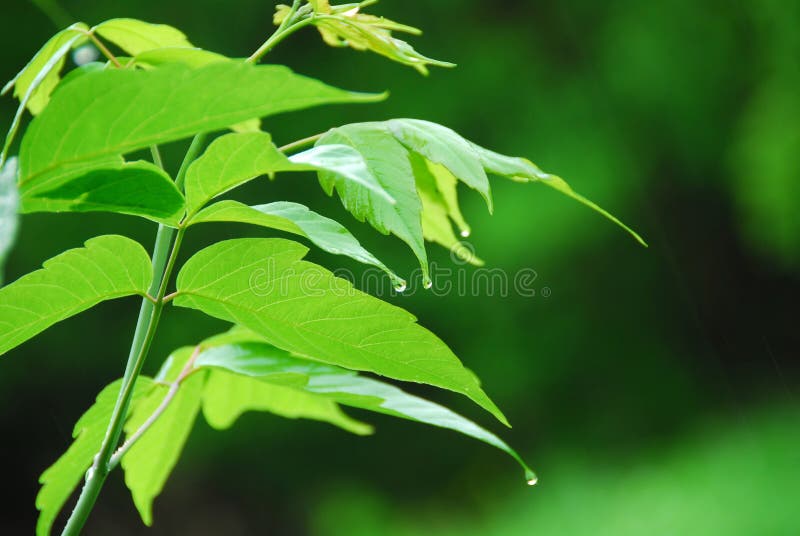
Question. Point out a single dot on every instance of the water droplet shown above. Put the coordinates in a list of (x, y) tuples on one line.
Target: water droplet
[(427, 284), (400, 286), (533, 481), (85, 54), (465, 233), (89, 473)]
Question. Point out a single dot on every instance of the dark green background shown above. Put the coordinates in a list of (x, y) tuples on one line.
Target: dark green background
[(655, 390)]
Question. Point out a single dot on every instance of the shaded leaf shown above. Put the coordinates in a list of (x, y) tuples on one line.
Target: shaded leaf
[(136, 36), (265, 362), (387, 160), (107, 267), (297, 219), (9, 204), (300, 307), (117, 111), (137, 188), (191, 57), (227, 396), (61, 478), (152, 457)]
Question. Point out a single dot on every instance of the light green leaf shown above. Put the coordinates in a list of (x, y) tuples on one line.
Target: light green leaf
[(117, 111), (152, 457), (61, 478), (136, 36), (437, 210), (39, 78), (9, 204), (297, 219), (235, 159), (191, 57), (388, 162), (523, 170), (137, 188), (227, 396), (107, 267), (344, 162), (300, 307), (443, 146), (345, 26), (267, 363), (41, 75)]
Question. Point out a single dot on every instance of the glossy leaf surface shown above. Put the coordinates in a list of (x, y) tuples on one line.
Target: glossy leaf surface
[(264, 285)]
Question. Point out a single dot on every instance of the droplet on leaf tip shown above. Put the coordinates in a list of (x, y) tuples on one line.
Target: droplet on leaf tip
[(427, 284), (465, 233), (400, 286)]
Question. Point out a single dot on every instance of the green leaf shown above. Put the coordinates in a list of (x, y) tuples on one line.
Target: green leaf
[(38, 79), (235, 159), (191, 57), (152, 457), (136, 36), (34, 84), (266, 363), (523, 170), (227, 396), (442, 145), (113, 112), (61, 478), (300, 307), (297, 219), (389, 163), (137, 188), (345, 26), (9, 204), (107, 267), (438, 208)]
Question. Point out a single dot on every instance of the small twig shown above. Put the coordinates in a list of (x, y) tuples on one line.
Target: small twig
[(159, 411), (301, 143), (169, 297), (102, 48)]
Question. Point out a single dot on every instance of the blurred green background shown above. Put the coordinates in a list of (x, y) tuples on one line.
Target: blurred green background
[(654, 391)]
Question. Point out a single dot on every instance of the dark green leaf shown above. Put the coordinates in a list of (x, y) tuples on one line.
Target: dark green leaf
[(137, 188)]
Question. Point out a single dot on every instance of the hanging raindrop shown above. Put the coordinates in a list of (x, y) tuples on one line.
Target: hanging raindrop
[(465, 233), (427, 284), (400, 286)]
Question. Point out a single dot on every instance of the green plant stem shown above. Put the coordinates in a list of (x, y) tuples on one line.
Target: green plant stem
[(300, 143), (287, 28), (164, 259)]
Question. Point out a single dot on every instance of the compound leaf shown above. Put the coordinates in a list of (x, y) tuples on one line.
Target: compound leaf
[(61, 478), (295, 218), (389, 163), (137, 188), (264, 285), (107, 267), (113, 112)]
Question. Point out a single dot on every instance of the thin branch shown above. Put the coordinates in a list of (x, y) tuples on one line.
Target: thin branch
[(102, 48), (301, 143), (159, 411)]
